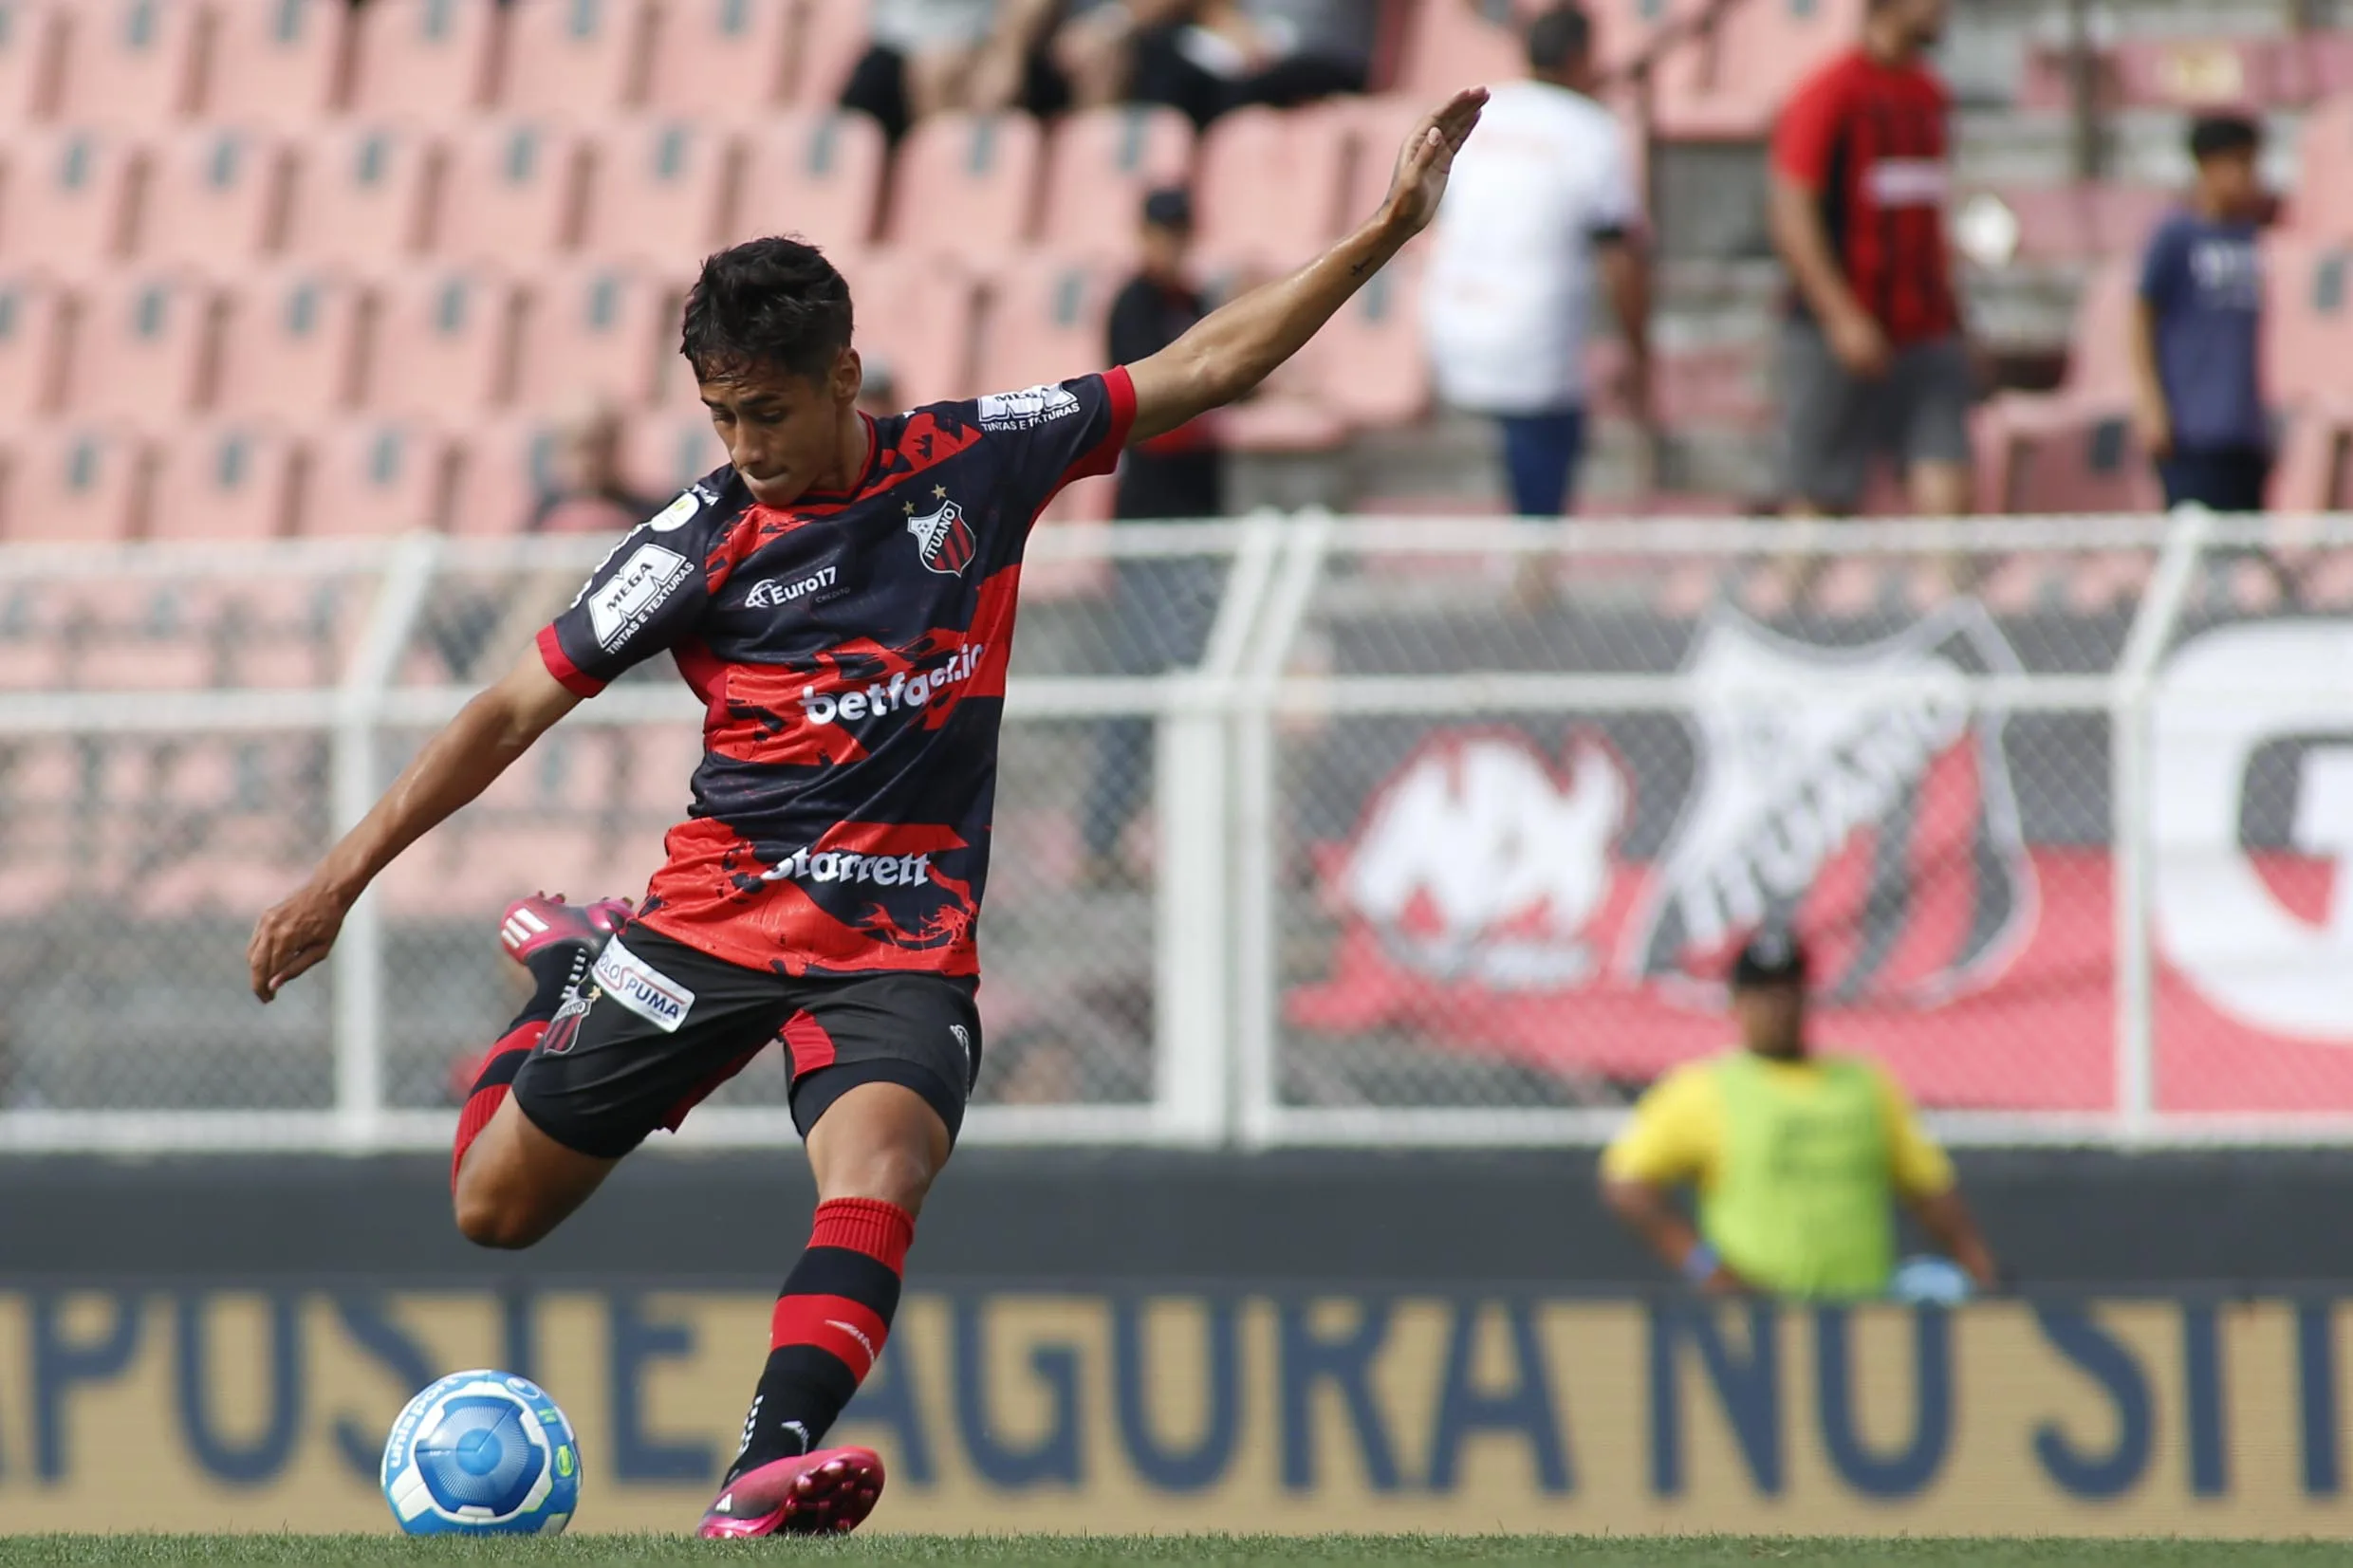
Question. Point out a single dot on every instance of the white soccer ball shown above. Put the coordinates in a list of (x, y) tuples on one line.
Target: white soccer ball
[(482, 1453)]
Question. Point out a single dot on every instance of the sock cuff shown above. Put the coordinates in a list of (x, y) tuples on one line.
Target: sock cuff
[(882, 1231)]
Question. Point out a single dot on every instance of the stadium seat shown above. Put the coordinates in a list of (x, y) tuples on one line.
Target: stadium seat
[(2089, 221), (30, 38), (276, 63), (2307, 320), (361, 197), (833, 37), (574, 59), (594, 332), (291, 346), (1729, 81), (658, 195), (71, 201), (2085, 420), (145, 349), (1099, 166), (721, 60), (215, 199), (817, 174), (1376, 128), (73, 482), (132, 64), (666, 451), (2322, 206), (426, 60), (443, 345), (1371, 366), (1045, 322), (501, 469), (918, 314), (373, 477), (2315, 469), (35, 324), (509, 194), (223, 480), (1271, 183), (967, 184), (1448, 46)]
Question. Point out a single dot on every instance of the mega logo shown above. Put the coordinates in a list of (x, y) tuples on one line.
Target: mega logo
[(630, 596)]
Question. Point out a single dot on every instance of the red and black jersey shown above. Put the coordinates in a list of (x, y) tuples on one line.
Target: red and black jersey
[(1873, 141), (850, 652)]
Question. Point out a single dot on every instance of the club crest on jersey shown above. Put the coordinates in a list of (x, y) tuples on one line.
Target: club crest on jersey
[(942, 537)]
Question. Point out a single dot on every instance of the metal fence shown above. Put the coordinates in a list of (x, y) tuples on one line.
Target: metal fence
[(1310, 829)]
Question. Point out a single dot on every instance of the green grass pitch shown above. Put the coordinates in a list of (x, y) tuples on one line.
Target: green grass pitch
[(100, 1551)]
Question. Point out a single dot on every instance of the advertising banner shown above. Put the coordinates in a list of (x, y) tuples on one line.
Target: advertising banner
[(205, 1409)]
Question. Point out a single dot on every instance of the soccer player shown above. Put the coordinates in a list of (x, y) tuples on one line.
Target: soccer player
[(840, 596)]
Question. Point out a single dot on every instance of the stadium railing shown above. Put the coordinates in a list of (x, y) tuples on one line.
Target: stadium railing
[(1310, 829)]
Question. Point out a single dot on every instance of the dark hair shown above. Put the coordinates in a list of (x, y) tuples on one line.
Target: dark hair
[(2211, 134), (773, 301), (1559, 38)]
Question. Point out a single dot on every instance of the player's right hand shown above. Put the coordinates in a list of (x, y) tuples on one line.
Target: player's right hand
[(1861, 346), (292, 936)]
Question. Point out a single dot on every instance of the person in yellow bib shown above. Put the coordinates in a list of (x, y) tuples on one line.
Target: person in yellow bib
[(1798, 1159)]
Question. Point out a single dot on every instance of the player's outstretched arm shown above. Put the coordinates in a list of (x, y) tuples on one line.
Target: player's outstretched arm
[(455, 765), (1234, 348)]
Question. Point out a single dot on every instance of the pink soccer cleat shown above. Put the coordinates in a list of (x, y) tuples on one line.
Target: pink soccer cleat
[(826, 1493), (534, 924)]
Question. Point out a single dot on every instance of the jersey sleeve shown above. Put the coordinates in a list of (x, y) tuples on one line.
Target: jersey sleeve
[(1613, 206), (1674, 1136), (1048, 436), (1808, 131), (644, 597), (1917, 1166)]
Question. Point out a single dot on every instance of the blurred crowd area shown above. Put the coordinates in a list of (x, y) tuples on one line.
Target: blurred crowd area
[(291, 267)]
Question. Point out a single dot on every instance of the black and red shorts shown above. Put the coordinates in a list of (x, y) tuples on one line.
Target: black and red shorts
[(660, 1025)]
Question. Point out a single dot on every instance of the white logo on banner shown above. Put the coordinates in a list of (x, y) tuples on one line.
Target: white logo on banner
[(2219, 701)]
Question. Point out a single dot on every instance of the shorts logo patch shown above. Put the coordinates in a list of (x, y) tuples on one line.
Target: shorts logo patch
[(642, 586), (963, 1038), (642, 989), (563, 1030)]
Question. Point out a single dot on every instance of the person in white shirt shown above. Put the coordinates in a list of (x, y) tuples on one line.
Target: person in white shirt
[(1542, 201)]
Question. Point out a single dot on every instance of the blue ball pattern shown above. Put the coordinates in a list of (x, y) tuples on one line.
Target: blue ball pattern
[(482, 1453)]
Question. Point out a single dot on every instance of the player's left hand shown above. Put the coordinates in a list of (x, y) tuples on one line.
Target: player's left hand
[(292, 936), (1428, 158)]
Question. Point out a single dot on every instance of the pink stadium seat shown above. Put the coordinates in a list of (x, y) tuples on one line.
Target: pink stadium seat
[(373, 477), (1449, 44), (967, 184), (918, 315), (2307, 320), (1047, 321), (667, 452), (1371, 367), (215, 199), (30, 37), (428, 60), (1377, 127), (276, 63), (2323, 205), (2095, 393), (509, 194), (833, 36), (2315, 469), (502, 468), (223, 480), (131, 62), (361, 197), (443, 345), (1730, 83), (70, 201), (35, 318), (1099, 166), (574, 59), (145, 349), (75, 483), (2083, 222), (292, 347), (1271, 183), (723, 61), (594, 332), (817, 174), (658, 195)]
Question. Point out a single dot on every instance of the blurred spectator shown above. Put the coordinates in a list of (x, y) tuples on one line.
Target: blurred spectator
[(1160, 607), (878, 391), (1873, 359), (929, 56), (2199, 412), (1211, 56), (584, 490), (1538, 197)]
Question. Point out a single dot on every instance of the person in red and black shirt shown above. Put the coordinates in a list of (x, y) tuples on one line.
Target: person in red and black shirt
[(840, 598), (1873, 359)]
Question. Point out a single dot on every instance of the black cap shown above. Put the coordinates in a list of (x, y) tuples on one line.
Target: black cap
[(1170, 206), (1773, 956)]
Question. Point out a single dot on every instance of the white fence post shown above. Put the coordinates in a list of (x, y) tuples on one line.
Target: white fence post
[(358, 962)]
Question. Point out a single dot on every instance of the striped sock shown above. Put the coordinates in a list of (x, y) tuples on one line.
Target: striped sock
[(830, 1323)]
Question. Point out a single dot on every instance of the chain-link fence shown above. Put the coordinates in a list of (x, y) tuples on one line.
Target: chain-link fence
[(1306, 829)]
